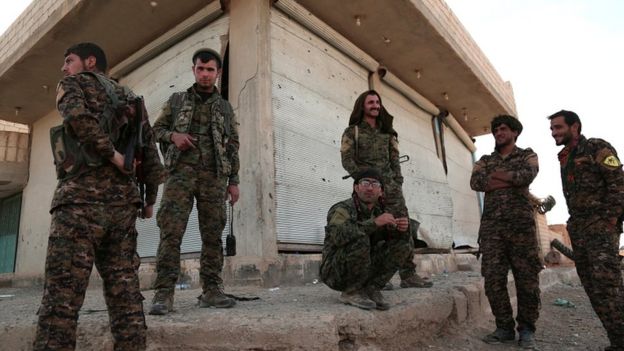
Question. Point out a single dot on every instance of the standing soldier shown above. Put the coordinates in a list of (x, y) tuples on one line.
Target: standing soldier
[(370, 141), (364, 245), (507, 235), (95, 204), (200, 136), (593, 186)]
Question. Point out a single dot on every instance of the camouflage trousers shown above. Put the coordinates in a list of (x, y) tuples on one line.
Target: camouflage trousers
[(183, 185), (511, 244), (597, 264), (395, 204), (363, 262), (81, 235)]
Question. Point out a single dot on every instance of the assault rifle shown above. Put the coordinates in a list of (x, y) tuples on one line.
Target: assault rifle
[(134, 147), (402, 159)]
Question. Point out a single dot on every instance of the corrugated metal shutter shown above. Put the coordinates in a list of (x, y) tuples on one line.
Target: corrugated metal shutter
[(466, 216), (10, 209), (156, 80), (314, 88), (425, 187)]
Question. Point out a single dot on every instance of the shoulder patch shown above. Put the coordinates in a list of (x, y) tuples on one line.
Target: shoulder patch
[(611, 161), (607, 158)]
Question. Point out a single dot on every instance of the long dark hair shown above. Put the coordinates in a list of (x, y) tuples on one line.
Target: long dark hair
[(384, 119)]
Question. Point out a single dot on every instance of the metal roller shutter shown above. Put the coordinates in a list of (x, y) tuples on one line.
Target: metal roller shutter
[(314, 87), (466, 216), (425, 187)]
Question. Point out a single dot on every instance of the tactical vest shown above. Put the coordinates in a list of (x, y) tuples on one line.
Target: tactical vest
[(180, 101), (73, 158)]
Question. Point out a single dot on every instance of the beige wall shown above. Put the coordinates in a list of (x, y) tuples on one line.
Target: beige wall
[(37, 196)]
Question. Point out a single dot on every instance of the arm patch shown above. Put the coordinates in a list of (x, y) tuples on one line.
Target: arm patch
[(607, 158), (611, 161)]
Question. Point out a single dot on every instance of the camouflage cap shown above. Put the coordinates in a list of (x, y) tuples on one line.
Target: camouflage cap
[(367, 173), (512, 122)]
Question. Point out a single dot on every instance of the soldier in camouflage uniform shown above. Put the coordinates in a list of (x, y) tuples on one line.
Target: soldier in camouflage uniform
[(507, 235), (94, 210), (593, 185), (364, 244), (200, 132), (370, 141)]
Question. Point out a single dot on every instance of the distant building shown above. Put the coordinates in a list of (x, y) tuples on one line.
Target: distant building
[(293, 70)]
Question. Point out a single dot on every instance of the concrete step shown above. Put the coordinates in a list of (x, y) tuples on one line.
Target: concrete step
[(284, 318)]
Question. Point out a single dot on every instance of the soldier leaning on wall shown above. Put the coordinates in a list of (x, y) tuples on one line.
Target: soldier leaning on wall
[(370, 141)]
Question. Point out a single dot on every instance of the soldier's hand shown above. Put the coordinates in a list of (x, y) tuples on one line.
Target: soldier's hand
[(183, 141), (118, 160), (501, 175), (495, 183), (402, 224), (232, 191), (385, 219), (148, 211)]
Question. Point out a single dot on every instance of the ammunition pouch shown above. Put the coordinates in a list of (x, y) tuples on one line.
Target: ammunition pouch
[(71, 158)]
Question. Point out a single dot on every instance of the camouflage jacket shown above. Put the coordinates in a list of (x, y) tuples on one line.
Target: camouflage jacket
[(593, 181), (373, 149), (222, 132), (344, 226), (81, 100), (512, 203)]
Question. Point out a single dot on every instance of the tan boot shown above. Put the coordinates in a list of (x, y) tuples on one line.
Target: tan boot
[(415, 281), (214, 297), (377, 297), (162, 302), (358, 299)]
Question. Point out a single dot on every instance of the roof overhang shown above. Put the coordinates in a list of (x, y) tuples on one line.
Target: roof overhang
[(31, 50), (425, 45), (420, 42)]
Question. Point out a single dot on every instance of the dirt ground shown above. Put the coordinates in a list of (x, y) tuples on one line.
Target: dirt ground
[(558, 328)]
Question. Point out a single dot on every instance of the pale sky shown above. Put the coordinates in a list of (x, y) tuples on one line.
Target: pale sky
[(9, 10), (557, 54)]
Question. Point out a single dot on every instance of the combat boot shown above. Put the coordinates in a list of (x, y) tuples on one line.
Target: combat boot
[(526, 339), (358, 299), (214, 297), (416, 281), (378, 298), (162, 303), (500, 336), (388, 286)]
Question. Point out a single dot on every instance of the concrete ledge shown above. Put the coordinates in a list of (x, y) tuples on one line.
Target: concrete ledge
[(306, 317)]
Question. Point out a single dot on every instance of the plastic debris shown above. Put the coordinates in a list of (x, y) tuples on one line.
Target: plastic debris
[(274, 289), (564, 303), (183, 286)]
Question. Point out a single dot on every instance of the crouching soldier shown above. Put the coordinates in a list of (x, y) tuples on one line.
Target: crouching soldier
[(362, 249)]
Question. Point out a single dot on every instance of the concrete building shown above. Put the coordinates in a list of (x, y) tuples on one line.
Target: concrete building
[(292, 72)]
